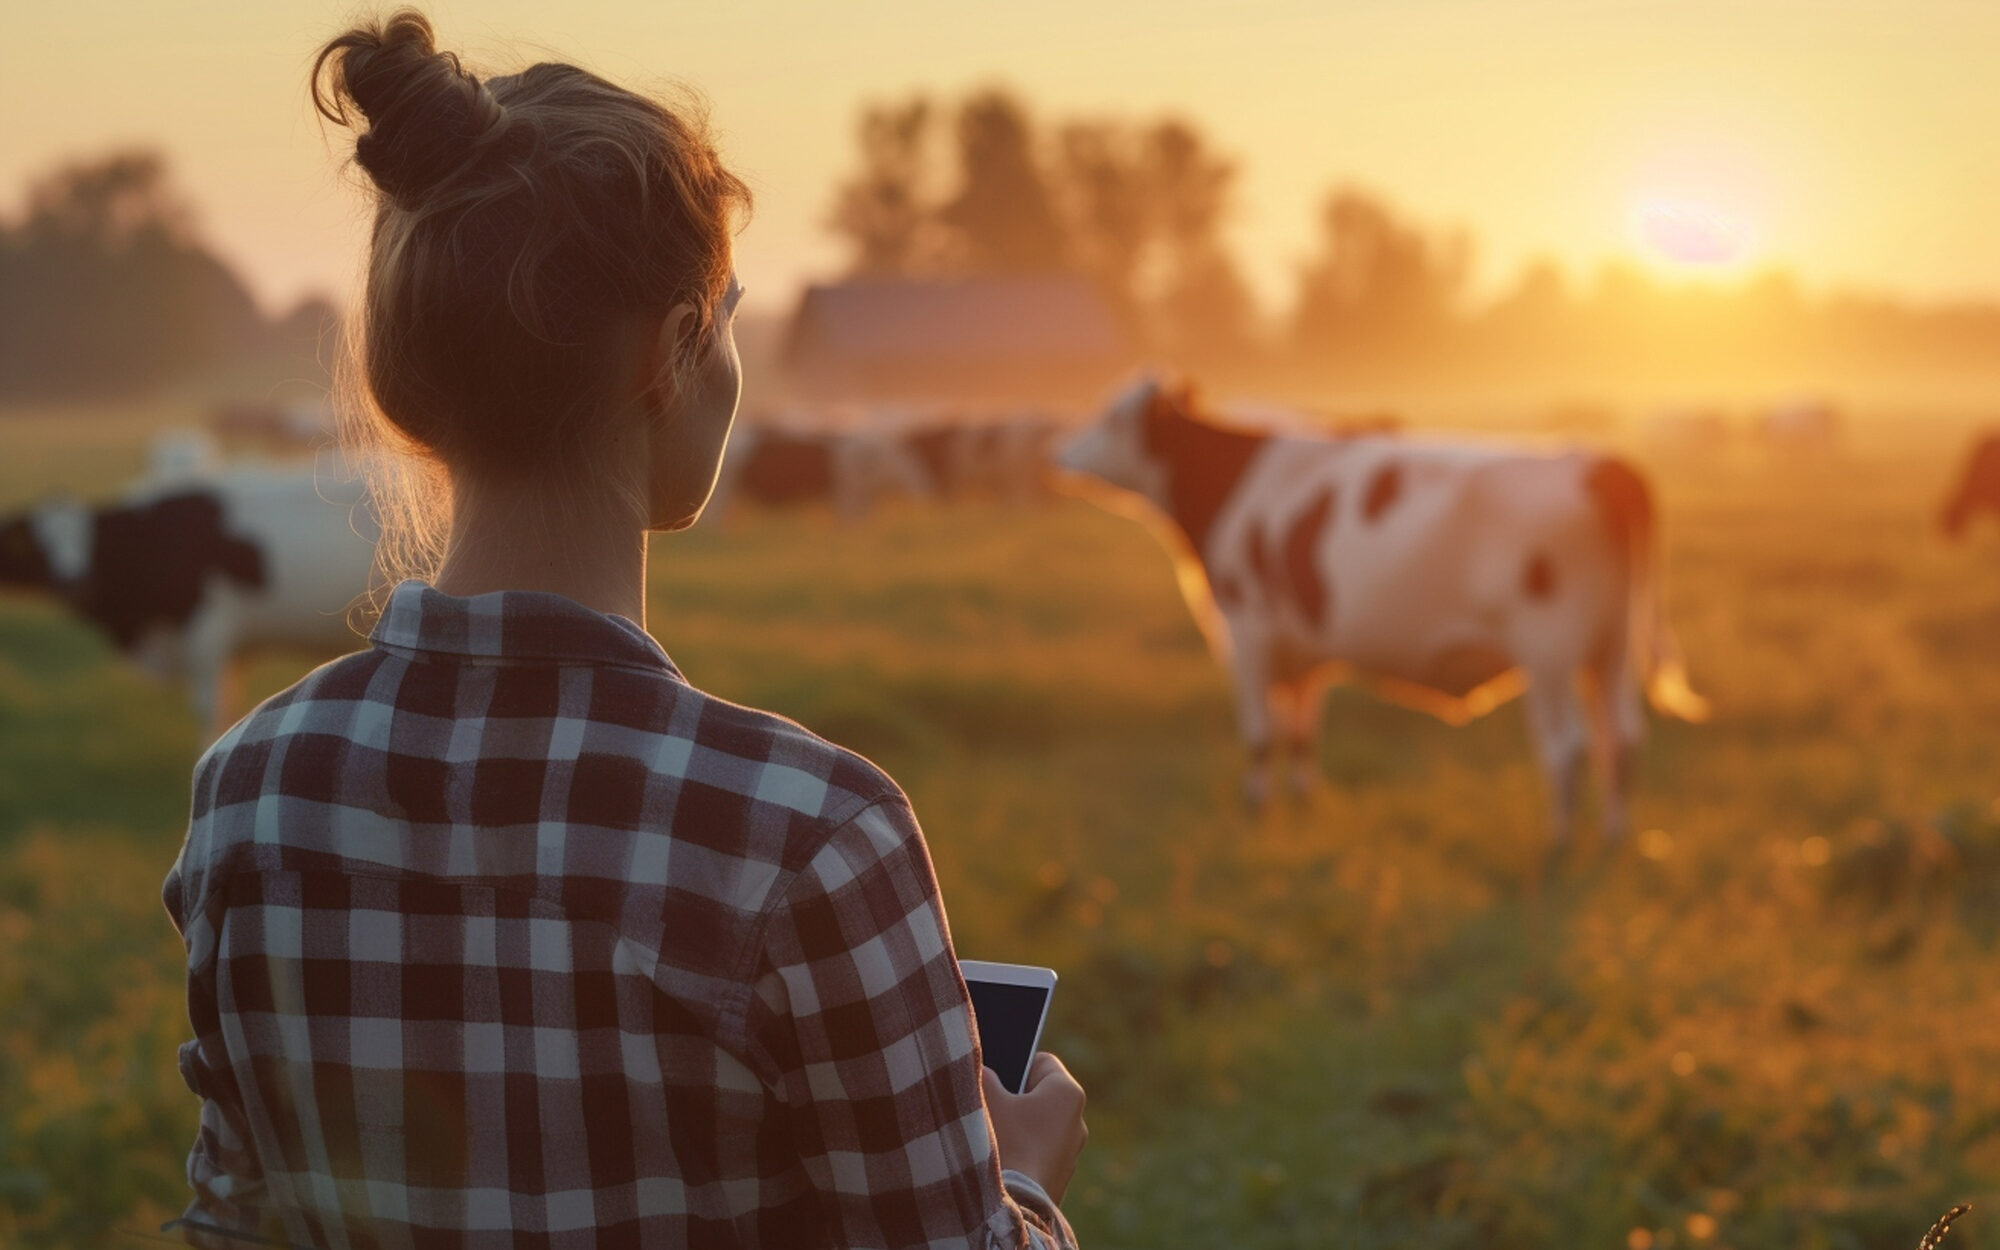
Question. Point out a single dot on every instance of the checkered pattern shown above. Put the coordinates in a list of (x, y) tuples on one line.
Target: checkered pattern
[(501, 934)]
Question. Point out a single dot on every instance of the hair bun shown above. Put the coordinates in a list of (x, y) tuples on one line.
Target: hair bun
[(426, 114)]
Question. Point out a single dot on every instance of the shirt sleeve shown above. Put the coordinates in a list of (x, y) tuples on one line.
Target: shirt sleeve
[(865, 1027), (222, 1166)]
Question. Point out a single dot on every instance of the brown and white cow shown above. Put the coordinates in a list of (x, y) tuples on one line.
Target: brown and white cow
[(1453, 576), (1004, 459), (1978, 487), (772, 466)]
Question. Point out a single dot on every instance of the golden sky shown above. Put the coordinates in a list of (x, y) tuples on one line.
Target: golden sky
[(1856, 143)]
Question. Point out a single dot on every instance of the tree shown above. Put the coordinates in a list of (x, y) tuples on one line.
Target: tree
[(1380, 289), (999, 219), (1108, 207), (1208, 316), (1145, 208), (1003, 214), (1532, 324), (1204, 310), (1138, 209), (105, 286), (888, 211)]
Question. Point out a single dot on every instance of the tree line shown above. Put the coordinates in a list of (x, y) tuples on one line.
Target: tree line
[(980, 185), (107, 287)]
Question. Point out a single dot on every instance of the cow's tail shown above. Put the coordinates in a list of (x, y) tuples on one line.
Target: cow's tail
[(1626, 505)]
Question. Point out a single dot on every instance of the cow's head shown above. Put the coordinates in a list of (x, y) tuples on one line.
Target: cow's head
[(1154, 444), (47, 547), (1131, 445)]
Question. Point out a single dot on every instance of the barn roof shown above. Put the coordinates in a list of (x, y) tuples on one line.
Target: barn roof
[(967, 334)]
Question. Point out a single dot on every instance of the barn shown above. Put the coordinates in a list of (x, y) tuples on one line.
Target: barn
[(1035, 339)]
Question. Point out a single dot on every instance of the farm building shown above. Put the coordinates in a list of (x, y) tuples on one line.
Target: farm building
[(1033, 339)]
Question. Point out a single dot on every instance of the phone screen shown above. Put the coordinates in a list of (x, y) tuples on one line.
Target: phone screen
[(1009, 1018)]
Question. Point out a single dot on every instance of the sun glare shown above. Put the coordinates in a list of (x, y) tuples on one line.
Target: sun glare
[(1689, 236)]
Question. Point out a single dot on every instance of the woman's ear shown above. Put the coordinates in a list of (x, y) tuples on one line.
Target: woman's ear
[(677, 334), (670, 345), (677, 330)]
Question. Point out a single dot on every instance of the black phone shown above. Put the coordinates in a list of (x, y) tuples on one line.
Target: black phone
[(1010, 1003)]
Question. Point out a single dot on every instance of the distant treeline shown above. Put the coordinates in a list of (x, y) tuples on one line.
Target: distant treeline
[(106, 287), (980, 185)]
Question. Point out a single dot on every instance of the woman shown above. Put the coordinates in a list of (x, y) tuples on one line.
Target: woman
[(499, 932)]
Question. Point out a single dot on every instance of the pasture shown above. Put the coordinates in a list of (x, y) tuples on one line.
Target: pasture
[(1770, 1021)]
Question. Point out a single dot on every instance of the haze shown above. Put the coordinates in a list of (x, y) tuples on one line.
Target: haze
[(1856, 144)]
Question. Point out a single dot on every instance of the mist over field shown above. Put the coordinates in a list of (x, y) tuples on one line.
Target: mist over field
[(1766, 1022)]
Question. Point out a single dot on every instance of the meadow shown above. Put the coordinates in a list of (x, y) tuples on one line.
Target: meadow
[(1355, 1020)]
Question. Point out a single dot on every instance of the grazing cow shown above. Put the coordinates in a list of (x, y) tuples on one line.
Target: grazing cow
[(1006, 459), (1697, 433), (1802, 427), (1978, 487), (850, 468), (1453, 576), (186, 573), (272, 426)]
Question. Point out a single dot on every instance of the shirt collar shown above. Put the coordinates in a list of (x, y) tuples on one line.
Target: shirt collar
[(512, 626)]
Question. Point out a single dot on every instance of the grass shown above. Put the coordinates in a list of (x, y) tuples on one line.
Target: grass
[(1769, 1022)]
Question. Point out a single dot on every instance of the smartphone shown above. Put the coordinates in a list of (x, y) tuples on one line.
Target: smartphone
[(1009, 1004)]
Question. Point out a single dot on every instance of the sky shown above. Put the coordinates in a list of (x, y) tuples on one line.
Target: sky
[(1856, 144)]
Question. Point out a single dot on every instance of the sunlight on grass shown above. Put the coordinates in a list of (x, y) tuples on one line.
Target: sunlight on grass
[(1767, 1023)]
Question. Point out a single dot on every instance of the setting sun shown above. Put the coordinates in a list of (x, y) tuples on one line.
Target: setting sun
[(1681, 235)]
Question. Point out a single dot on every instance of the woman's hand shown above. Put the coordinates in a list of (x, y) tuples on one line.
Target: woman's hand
[(1041, 1130)]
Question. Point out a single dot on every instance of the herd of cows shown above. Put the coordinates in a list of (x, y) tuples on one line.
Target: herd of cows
[(1453, 575)]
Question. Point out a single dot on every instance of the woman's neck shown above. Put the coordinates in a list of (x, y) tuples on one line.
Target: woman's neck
[(587, 546)]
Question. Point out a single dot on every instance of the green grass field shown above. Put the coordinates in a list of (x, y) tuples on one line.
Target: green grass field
[(1772, 1021)]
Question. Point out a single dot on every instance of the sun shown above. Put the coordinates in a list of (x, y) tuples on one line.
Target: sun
[(1690, 236)]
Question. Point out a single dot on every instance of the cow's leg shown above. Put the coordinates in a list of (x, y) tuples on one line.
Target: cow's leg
[(1562, 740), (207, 645), (851, 491), (1253, 717), (204, 683), (1307, 705), (1620, 714)]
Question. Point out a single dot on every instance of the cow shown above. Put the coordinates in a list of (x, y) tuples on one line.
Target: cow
[(1004, 459), (851, 469), (1453, 576), (276, 427), (1802, 427), (187, 572), (1694, 433), (1978, 487)]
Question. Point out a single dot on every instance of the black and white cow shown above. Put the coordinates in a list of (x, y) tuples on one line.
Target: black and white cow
[(1453, 576), (1978, 487), (187, 572)]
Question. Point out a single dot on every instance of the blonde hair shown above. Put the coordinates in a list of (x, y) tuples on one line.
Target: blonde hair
[(521, 223)]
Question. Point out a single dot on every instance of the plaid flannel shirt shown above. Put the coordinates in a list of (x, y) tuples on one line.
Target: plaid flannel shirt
[(502, 934)]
